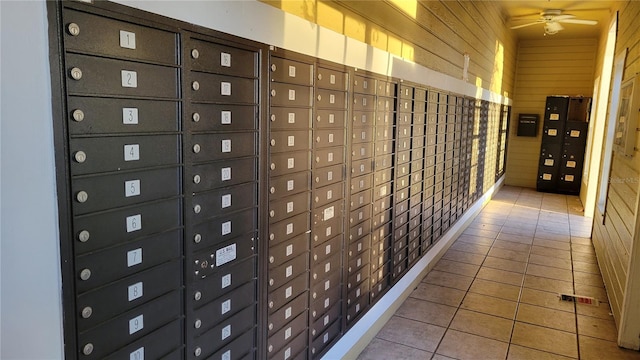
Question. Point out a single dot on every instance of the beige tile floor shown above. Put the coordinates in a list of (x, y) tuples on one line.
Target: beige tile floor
[(494, 294)]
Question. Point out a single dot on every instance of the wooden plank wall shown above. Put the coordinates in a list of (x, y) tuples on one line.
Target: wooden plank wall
[(544, 67), (613, 240), (435, 34)]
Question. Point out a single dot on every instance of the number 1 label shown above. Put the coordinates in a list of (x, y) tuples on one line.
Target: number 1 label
[(127, 39)]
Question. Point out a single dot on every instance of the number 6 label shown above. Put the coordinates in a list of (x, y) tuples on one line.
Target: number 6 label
[(134, 223)]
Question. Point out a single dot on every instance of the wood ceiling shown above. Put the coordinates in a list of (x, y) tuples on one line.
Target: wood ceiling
[(588, 10)]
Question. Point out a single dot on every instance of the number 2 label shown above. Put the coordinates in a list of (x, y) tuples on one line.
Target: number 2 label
[(129, 78)]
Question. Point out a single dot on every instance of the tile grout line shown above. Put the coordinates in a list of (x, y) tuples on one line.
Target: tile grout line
[(573, 283)]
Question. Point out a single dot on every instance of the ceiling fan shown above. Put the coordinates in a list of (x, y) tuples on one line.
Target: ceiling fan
[(552, 19)]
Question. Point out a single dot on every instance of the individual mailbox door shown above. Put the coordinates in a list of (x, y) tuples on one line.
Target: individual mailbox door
[(328, 175), (328, 194), (236, 349), (402, 182), (290, 95), (404, 144), (326, 229), (363, 118), (288, 228), (227, 304), (222, 88), (329, 265), (216, 58), (288, 207), (208, 147), (155, 345), (384, 132), (294, 349), (360, 183), (328, 156), (324, 302), (282, 274), (383, 162), (404, 116), (228, 278), (361, 151), (287, 292), (360, 230), (382, 204), (120, 261), (223, 228), (382, 217), (330, 118), (285, 163), (362, 135), (289, 140), (360, 199), (325, 285), (129, 326), (284, 118), (108, 301), (223, 173), (290, 71), (222, 201), (364, 85), (331, 137), (325, 330), (105, 36), (359, 215), (326, 249), (287, 313), (289, 184), (331, 79), (90, 115), (212, 336), (364, 102), (382, 176), (358, 246), (223, 117), (89, 75), (287, 250), (109, 228), (94, 155), (115, 190), (331, 99)]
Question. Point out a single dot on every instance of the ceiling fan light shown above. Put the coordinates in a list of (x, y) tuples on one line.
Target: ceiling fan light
[(552, 28)]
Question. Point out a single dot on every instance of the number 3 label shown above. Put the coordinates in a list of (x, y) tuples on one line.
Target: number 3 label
[(130, 116)]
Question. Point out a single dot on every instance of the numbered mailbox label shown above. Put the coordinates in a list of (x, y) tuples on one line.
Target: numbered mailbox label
[(332, 118), (330, 138), (330, 157), (292, 71), (289, 271), (329, 175), (226, 146), (136, 324), (134, 257), (292, 94), (548, 162), (132, 152), (287, 333), (226, 281), (571, 164), (289, 228), (134, 223), (226, 228), (327, 231), (332, 98), (332, 79), (135, 291), (287, 313), (554, 116), (226, 332), (225, 59), (130, 116), (291, 140), (291, 163), (552, 132), (292, 118), (290, 185), (137, 354), (225, 88), (225, 117), (225, 307), (226, 173), (289, 207), (127, 39), (226, 355), (131, 188), (129, 78), (226, 254), (289, 249), (288, 292), (226, 201)]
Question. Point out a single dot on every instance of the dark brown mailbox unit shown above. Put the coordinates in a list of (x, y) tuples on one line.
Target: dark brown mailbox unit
[(220, 198)]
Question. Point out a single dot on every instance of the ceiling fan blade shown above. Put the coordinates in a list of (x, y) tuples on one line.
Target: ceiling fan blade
[(563, 17), (579, 21), (525, 25)]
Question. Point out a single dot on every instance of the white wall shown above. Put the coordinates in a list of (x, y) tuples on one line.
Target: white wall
[(31, 317), (30, 300)]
